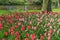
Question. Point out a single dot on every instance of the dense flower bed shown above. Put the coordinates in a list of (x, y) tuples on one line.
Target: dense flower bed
[(30, 26)]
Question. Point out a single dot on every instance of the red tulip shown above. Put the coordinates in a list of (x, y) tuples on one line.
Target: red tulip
[(9, 21), (1, 28), (17, 17), (0, 24), (33, 36), (42, 37), (50, 31), (17, 34), (1, 18), (17, 26), (16, 38), (22, 28), (27, 34), (12, 28), (9, 16), (12, 33), (29, 27), (6, 33)]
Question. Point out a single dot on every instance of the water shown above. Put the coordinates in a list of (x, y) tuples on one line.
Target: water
[(20, 7)]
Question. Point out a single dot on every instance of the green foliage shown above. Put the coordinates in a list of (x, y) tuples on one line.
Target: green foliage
[(7, 2), (1, 34), (39, 2)]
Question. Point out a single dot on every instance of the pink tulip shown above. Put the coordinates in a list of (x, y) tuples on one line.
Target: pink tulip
[(58, 20), (52, 20), (45, 34), (49, 37), (6, 33), (49, 34), (30, 22), (34, 28), (19, 23), (3, 38), (46, 19), (22, 19), (48, 24)]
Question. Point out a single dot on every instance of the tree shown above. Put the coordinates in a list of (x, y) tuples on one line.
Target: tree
[(58, 3), (49, 6), (46, 5)]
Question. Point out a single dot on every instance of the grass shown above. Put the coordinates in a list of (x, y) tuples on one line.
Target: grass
[(8, 11), (4, 12), (56, 10)]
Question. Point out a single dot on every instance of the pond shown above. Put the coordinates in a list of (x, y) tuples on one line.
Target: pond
[(20, 7)]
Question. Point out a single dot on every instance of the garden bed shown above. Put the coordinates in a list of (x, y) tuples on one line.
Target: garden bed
[(30, 26)]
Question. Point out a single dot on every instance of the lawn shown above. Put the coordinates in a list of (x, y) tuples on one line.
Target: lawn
[(56, 10), (8, 11)]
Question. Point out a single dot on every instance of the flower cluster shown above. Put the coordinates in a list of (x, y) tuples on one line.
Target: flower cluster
[(30, 26)]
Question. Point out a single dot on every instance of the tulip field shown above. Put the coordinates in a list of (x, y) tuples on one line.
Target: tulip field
[(30, 26)]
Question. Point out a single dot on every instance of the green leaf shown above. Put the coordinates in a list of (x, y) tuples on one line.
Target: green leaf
[(1, 34)]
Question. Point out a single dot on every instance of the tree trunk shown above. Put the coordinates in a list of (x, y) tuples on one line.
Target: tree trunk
[(58, 3), (46, 5), (49, 6)]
